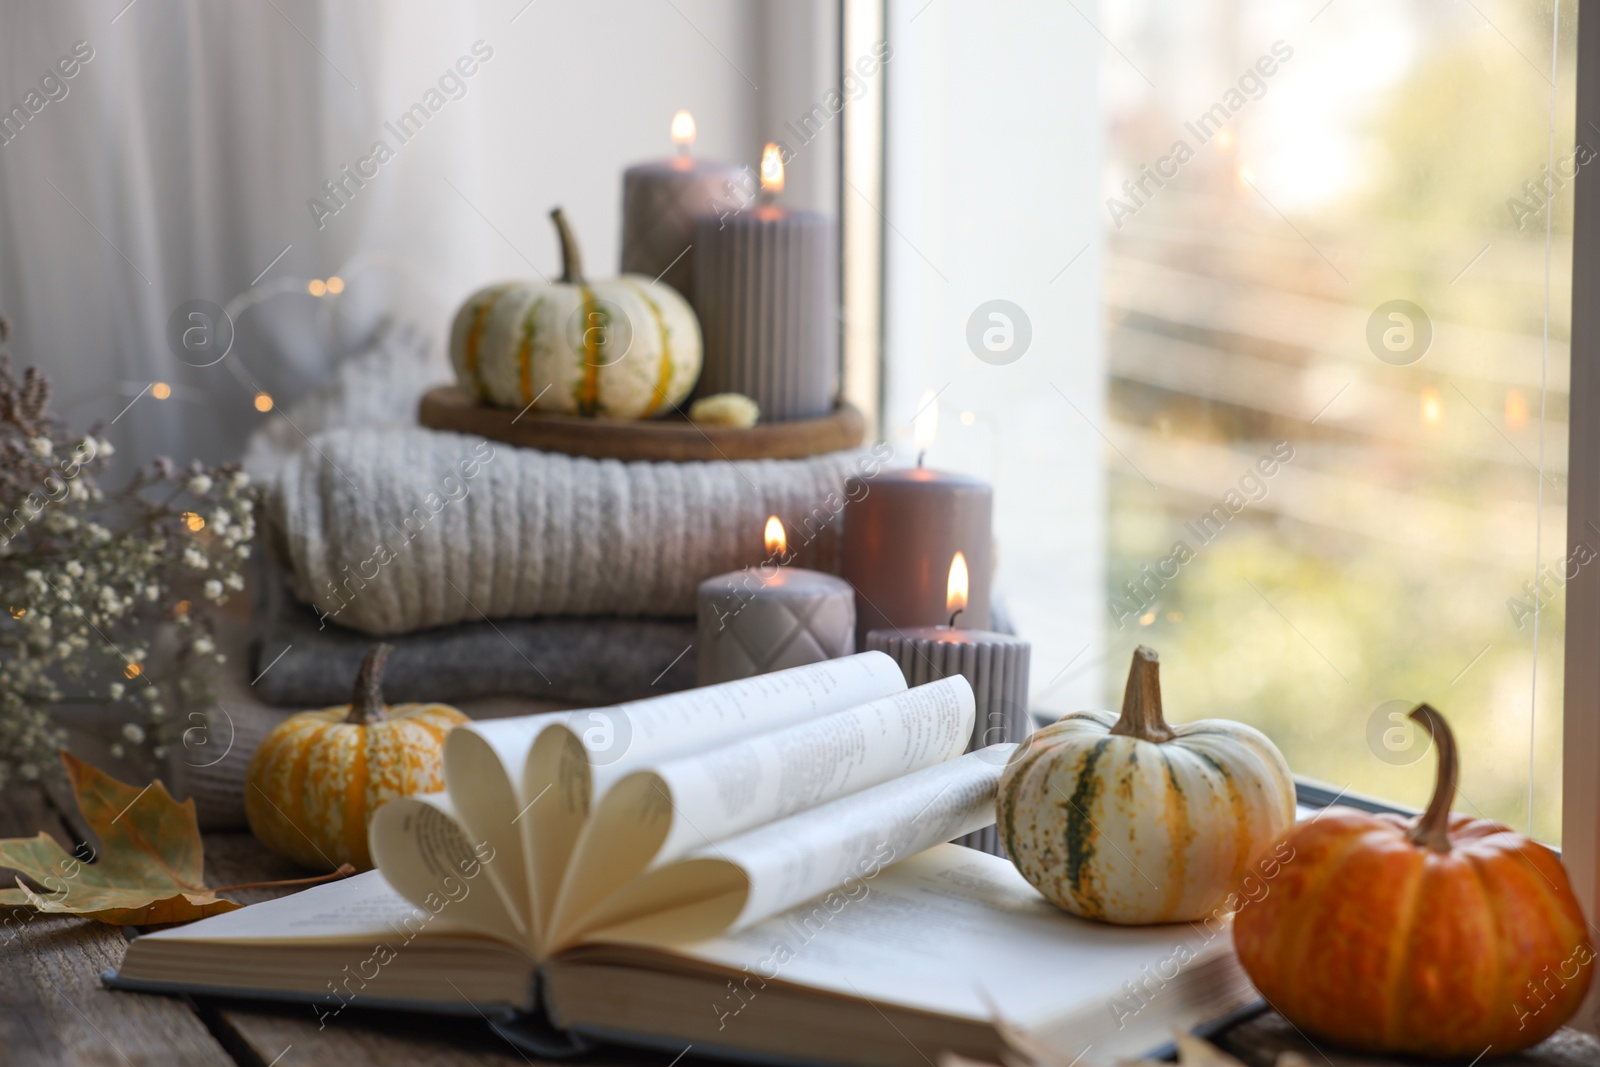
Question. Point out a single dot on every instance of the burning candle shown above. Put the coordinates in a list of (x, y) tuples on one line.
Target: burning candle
[(901, 530), (662, 200), (770, 616), (766, 290), (996, 665)]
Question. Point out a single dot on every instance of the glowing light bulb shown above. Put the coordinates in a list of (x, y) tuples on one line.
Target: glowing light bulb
[(1432, 407), (1516, 409)]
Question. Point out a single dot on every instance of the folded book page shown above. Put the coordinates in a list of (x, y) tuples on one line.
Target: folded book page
[(482, 772), (577, 760), (748, 877), (423, 850), (660, 814), (520, 789)]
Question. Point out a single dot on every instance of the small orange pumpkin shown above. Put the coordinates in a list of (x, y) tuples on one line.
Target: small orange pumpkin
[(1439, 936), (314, 783)]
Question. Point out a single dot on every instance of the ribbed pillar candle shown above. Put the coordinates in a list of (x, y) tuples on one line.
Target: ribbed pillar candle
[(766, 290), (996, 665)]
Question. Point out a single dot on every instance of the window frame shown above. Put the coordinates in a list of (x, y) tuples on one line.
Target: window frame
[(1580, 740), (862, 150)]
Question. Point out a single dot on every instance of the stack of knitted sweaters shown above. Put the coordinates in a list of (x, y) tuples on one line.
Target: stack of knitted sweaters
[(495, 569)]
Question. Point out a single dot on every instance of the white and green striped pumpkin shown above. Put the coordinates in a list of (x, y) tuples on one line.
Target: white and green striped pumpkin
[(625, 348), (1129, 820)]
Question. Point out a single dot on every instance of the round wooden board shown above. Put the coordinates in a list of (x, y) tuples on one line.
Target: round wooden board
[(670, 439)]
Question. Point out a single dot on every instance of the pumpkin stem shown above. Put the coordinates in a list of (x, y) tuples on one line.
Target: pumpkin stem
[(367, 704), (1433, 826), (571, 260), (1141, 701)]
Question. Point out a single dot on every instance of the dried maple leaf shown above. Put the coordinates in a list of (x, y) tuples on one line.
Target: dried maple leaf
[(150, 869)]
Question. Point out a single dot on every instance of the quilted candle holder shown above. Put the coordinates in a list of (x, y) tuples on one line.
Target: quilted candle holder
[(766, 618)]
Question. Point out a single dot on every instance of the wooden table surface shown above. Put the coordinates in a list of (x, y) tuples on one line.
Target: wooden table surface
[(55, 1013)]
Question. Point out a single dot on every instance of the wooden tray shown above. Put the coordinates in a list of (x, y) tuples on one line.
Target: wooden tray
[(672, 438)]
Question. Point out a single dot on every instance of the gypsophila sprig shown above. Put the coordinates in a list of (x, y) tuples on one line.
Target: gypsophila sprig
[(104, 594)]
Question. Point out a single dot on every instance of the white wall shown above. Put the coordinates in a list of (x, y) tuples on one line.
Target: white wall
[(994, 155), (197, 133)]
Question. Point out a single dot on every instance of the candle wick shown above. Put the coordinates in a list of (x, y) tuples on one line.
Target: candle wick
[(920, 456), (768, 197), (683, 150), (953, 615)]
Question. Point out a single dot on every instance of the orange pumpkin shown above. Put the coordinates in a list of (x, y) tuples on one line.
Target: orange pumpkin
[(314, 783), (1439, 936)]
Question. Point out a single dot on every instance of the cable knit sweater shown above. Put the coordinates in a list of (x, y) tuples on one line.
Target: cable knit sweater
[(389, 528)]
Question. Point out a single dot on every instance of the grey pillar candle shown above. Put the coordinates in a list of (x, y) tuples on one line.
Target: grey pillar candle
[(902, 528), (770, 617), (996, 665), (766, 288), (661, 202)]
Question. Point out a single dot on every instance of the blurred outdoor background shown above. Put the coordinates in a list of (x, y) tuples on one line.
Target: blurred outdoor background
[(1178, 339), (1385, 562)]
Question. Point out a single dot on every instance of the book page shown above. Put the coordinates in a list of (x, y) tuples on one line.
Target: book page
[(423, 851), (354, 941), (795, 859), (483, 773), (950, 928), (655, 816), (357, 909), (577, 760), (746, 878)]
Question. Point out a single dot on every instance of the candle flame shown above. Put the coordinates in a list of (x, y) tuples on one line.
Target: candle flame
[(683, 129), (955, 598), (925, 427), (771, 169), (777, 541)]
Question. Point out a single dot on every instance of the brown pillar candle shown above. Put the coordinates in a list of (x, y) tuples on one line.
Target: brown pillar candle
[(901, 530), (662, 202)]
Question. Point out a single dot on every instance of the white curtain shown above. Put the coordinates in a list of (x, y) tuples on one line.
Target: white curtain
[(179, 163)]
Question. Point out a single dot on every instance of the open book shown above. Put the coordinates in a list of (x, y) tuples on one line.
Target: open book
[(743, 867)]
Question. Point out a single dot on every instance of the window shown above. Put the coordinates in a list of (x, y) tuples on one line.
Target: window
[(1257, 316)]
